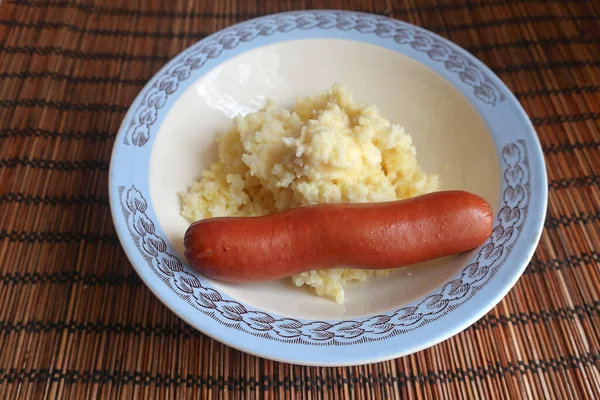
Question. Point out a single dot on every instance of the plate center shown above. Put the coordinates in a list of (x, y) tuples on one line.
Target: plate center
[(451, 139)]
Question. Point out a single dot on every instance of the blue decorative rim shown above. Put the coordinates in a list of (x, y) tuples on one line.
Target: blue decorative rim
[(401, 331)]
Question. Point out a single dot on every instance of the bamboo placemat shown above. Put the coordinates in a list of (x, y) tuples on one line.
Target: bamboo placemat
[(75, 320)]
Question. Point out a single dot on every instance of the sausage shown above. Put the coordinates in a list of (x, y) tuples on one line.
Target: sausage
[(365, 235)]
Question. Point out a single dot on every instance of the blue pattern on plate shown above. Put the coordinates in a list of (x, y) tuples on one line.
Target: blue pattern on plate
[(427, 321), (196, 57)]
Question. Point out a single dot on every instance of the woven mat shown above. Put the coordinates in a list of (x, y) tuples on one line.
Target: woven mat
[(76, 321)]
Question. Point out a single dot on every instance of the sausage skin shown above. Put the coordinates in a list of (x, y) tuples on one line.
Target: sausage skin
[(365, 235)]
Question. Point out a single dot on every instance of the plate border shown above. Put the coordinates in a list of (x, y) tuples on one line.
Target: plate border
[(212, 47), (331, 333), (190, 286)]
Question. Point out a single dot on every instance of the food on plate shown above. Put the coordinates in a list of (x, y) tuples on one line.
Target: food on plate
[(368, 235), (327, 149)]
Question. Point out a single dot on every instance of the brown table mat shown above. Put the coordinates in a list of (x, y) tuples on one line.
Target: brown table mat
[(75, 320)]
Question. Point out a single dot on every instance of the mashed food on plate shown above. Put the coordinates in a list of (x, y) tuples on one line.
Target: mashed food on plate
[(328, 149)]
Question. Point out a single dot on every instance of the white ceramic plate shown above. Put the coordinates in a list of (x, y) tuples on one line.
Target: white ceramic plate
[(466, 126)]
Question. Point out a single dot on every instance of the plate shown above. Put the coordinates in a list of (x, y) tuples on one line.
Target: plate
[(465, 124)]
